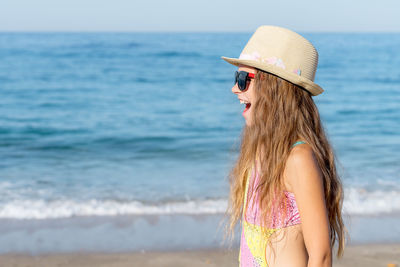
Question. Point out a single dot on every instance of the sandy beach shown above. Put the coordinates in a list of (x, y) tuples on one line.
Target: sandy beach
[(369, 255)]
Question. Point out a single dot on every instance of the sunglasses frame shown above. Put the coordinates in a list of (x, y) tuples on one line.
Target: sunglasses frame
[(241, 78)]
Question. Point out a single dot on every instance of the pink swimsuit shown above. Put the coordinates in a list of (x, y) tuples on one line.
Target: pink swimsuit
[(253, 242)]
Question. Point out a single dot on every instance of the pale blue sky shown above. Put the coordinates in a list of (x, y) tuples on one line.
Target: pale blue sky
[(204, 15)]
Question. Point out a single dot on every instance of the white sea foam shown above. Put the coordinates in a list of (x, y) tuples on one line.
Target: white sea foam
[(358, 201), (39, 209)]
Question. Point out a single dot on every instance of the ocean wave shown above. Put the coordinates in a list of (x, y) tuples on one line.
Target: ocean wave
[(32, 139), (40, 209), (40, 131), (169, 54), (358, 201), (103, 45)]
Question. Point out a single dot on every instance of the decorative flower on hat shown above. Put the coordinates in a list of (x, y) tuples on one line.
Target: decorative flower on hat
[(271, 60), (254, 56), (275, 61), (297, 71)]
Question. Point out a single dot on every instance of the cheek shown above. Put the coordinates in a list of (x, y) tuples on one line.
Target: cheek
[(250, 92)]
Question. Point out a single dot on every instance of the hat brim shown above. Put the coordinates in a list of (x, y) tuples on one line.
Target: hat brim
[(307, 84)]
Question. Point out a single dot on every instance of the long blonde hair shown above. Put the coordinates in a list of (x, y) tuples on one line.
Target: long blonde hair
[(282, 114)]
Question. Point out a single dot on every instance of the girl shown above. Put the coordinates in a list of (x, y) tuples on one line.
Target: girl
[(284, 187)]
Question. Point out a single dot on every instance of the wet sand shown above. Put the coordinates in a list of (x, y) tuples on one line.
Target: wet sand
[(367, 255)]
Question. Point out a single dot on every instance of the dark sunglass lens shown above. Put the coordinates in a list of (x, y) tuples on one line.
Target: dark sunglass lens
[(236, 77), (242, 80)]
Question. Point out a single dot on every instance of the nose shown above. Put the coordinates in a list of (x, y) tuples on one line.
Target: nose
[(235, 89)]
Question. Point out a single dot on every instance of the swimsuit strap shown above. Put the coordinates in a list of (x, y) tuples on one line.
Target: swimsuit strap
[(298, 143)]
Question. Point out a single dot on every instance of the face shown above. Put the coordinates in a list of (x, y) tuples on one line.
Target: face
[(246, 97)]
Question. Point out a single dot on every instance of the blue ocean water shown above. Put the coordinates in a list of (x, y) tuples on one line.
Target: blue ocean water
[(145, 123)]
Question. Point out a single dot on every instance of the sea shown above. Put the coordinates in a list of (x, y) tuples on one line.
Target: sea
[(124, 141)]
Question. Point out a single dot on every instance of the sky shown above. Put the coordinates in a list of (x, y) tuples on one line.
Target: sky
[(204, 15)]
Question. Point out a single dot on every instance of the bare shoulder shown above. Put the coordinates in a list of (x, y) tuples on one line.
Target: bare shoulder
[(306, 181), (300, 154), (300, 165)]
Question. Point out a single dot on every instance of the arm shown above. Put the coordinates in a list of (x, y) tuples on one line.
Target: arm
[(305, 178)]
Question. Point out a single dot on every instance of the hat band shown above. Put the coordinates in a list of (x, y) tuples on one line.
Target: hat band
[(271, 60)]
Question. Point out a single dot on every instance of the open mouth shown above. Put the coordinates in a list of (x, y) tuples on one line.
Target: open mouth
[(247, 105)]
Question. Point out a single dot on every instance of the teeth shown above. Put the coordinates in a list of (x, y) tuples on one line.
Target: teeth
[(243, 102)]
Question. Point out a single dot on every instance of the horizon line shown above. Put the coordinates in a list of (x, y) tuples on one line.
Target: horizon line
[(186, 31)]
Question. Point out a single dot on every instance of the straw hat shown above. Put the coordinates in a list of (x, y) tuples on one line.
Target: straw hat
[(284, 53)]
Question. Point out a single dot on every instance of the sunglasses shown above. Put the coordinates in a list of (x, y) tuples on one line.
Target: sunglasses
[(241, 78)]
